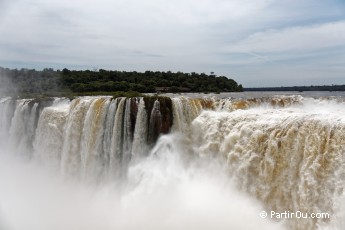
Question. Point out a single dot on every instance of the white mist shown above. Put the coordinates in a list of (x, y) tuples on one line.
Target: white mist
[(164, 191)]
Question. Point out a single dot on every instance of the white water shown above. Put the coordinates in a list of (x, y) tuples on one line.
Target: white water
[(165, 191), (233, 159), (291, 159)]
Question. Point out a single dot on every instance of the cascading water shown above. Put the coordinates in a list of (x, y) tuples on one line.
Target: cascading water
[(7, 107), (155, 122), (291, 159), (140, 134), (287, 152), (49, 135)]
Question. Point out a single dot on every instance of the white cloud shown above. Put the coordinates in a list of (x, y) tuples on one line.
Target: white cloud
[(105, 31), (293, 39)]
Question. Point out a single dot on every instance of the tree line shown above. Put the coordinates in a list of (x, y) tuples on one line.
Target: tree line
[(31, 81)]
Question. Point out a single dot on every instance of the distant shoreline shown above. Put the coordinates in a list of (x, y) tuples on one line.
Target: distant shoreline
[(297, 88)]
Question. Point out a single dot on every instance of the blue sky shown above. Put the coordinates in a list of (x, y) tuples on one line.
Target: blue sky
[(255, 42)]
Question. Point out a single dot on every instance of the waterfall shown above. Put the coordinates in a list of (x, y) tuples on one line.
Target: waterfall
[(287, 158), (49, 138), (127, 135), (185, 110), (155, 122), (70, 156), (286, 151), (7, 107), (91, 151), (108, 133), (116, 141), (23, 127), (140, 134)]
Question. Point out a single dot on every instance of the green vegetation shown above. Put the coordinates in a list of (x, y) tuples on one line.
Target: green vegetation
[(49, 82)]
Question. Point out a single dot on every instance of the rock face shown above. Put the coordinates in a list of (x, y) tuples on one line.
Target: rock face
[(160, 119)]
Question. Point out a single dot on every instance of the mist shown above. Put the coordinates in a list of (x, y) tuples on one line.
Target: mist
[(7, 87), (164, 191)]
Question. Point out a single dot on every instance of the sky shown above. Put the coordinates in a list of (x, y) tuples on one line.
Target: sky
[(255, 42)]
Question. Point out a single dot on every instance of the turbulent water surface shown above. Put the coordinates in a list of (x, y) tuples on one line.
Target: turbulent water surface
[(177, 162)]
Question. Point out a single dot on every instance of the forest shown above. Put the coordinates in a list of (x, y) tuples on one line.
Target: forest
[(86, 82)]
